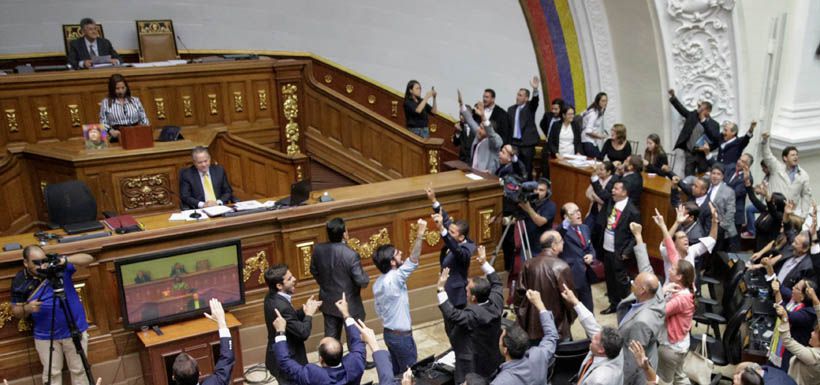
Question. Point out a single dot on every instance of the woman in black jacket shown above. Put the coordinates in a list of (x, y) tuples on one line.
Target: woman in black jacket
[(654, 157), (768, 224), (561, 131)]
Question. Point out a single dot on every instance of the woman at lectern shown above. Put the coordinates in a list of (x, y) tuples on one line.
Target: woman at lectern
[(119, 109)]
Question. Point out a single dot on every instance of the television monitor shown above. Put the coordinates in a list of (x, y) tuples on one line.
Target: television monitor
[(172, 285)]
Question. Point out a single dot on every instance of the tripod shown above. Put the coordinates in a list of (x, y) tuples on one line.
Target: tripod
[(526, 252), (58, 297)]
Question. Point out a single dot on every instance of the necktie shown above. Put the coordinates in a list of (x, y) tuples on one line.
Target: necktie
[(517, 134), (93, 51), (581, 236), (584, 369), (209, 188)]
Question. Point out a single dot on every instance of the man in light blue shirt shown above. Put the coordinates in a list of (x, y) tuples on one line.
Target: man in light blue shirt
[(392, 303)]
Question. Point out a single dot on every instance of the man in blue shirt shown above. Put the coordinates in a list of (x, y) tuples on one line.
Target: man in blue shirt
[(32, 295), (540, 215), (392, 303)]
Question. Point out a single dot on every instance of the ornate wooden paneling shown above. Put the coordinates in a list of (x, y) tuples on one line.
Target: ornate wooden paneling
[(17, 213)]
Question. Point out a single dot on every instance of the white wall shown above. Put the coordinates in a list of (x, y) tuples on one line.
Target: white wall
[(449, 44)]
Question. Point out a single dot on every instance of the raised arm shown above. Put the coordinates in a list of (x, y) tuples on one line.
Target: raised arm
[(546, 348), (585, 317), (671, 251), (677, 104)]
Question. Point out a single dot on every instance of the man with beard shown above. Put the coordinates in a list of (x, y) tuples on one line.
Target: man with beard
[(281, 286), (550, 117)]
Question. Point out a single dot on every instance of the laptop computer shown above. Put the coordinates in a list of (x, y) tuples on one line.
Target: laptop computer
[(299, 193)]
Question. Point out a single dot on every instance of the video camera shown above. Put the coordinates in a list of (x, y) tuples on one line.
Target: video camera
[(516, 190), (50, 266)]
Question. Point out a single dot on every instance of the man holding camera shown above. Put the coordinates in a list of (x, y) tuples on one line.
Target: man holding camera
[(540, 214), (32, 295)]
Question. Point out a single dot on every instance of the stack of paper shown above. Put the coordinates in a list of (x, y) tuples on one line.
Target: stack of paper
[(186, 216), (166, 63), (215, 211), (247, 205)]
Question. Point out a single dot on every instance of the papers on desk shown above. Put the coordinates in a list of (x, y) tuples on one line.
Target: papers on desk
[(186, 216), (474, 176), (102, 65), (580, 161), (215, 211), (248, 205), (166, 63)]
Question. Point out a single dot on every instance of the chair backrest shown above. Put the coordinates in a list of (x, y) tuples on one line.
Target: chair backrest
[(569, 355), (70, 202), (73, 32), (636, 146), (157, 40)]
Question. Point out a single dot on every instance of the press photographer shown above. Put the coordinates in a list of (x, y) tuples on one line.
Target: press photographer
[(32, 294), (540, 211), (528, 213)]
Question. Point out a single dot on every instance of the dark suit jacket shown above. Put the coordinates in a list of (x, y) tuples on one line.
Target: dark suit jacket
[(338, 269), (634, 187), (655, 167), (501, 123), (190, 186), (705, 215), (736, 183), (574, 252), (710, 126), (483, 324), (555, 134), (730, 153), (297, 332), (546, 123), (456, 256), (350, 372), (624, 240), (78, 51), (464, 143), (605, 193), (803, 270), (224, 365), (526, 121)]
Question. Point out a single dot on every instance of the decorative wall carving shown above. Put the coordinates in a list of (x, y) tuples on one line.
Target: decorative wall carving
[(432, 237), (433, 127), (257, 262), (486, 230), (349, 88), (187, 106), (394, 108), (291, 112), (433, 160), (212, 104), (45, 122), (699, 42), (11, 120), (160, 104), (263, 99), (145, 191), (304, 252), (328, 79), (5, 314), (366, 250), (299, 175), (238, 103), (154, 26), (74, 115)]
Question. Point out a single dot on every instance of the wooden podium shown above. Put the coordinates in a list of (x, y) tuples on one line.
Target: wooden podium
[(136, 137), (199, 338)]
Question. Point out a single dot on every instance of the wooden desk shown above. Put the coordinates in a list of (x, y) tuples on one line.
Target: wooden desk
[(198, 337), (375, 214), (569, 184)]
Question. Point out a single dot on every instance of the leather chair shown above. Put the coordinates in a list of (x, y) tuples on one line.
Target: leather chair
[(72, 206), (73, 32), (157, 40)]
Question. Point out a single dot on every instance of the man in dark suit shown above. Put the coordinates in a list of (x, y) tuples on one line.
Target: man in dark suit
[(463, 136), (457, 250), (281, 286), (203, 185), (186, 370), (691, 225), (578, 252), (552, 115), (732, 146), (497, 115), (82, 50), (697, 195), (522, 119), (633, 181), (698, 129), (479, 322), (735, 181), (332, 367), (338, 271), (618, 243), (790, 270)]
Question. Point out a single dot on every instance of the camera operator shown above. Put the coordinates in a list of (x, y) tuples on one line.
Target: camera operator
[(32, 295), (540, 214)]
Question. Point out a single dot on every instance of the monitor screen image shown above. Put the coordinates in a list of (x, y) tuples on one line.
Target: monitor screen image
[(176, 284)]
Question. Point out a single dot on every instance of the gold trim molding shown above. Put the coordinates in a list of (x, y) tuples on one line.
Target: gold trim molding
[(371, 99), (304, 251), (160, 103), (212, 104), (349, 88), (486, 229), (74, 115), (433, 127), (263, 99), (290, 109), (5, 314), (238, 103), (187, 106), (11, 120), (432, 237), (42, 113), (257, 262), (366, 250), (328, 79), (394, 108), (299, 175), (433, 160)]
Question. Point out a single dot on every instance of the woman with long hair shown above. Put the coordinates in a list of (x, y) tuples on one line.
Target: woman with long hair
[(416, 110), (654, 157), (616, 148), (804, 367), (592, 126), (770, 221), (801, 317), (119, 109), (565, 135)]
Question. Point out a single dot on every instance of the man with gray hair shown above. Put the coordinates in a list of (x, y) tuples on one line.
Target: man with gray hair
[(732, 147), (202, 184)]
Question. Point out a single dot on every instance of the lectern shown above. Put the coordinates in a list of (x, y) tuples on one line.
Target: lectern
[(136, 137), (199, 338)]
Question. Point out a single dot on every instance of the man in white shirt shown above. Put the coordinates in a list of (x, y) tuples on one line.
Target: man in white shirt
[(723, 197)]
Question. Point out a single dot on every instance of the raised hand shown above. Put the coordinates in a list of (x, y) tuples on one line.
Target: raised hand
[(680, 214), (781, 312), (442, 279), (675, 180), (422, 227), (569, 296), (407, 377), (460, 100), (279, 323), (439, 220), (481, 257), (429, 94), (658, 218), (812, 295), (342, 306), (671, 93), (636, 228), (433, 92), (764, 137), (752, 127), (789, 207), (431, 194), (310, 306), (640, 355), (535, 299), (534, 82), (217, 313), (368, 335), (713, 211)]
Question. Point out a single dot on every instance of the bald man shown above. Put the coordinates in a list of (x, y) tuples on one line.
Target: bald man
[(578, 251), (641, 315), (546, 274)]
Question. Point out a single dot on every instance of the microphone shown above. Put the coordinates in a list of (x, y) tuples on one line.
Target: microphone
[(182, 43)]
